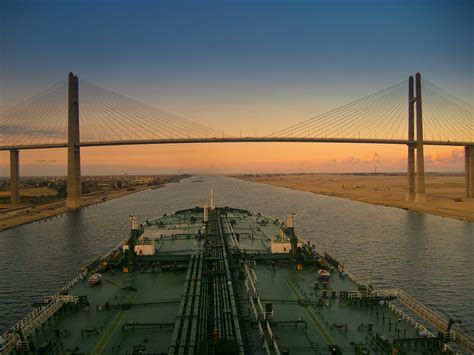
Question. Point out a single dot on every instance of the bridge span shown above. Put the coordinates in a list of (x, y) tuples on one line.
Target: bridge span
[(237, 140), (120, 121)]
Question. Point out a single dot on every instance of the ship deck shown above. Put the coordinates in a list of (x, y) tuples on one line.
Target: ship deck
[(219, 289), (305, 325)]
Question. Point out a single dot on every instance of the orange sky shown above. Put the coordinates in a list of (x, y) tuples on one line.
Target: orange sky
[(234, 158)]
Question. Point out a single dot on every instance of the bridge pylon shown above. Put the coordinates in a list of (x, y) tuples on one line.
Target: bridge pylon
[(420, 157), (469, 170), (15, 177), (411, 141), (74, 154)]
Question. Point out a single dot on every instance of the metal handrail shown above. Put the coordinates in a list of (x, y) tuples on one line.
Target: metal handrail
[(458, 335), (54, 302), (33, 321)]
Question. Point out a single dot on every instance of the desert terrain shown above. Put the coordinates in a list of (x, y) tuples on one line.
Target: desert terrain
[(445, 194)]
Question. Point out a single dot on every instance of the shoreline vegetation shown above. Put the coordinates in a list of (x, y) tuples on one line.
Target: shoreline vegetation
[(41, 212), (445, 194)]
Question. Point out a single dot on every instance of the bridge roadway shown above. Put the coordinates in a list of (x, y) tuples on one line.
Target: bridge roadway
[(236, 140)]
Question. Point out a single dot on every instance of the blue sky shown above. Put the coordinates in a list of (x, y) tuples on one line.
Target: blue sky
[(257, 65), (204, 48)]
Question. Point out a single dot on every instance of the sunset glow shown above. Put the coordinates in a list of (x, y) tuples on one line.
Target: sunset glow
[(246, 69), (237, 158)]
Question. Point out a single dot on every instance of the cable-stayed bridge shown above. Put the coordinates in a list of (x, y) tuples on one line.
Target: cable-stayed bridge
[(75, 113)]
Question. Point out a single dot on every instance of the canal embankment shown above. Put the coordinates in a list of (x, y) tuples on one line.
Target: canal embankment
[(444, 193), (14, 217)]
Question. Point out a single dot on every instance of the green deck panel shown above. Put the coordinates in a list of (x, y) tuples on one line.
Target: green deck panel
[(155, 298), (152, 288), (274, 284), (179, 246)]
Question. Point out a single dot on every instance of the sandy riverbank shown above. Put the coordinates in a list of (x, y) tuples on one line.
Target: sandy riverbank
[(10, 218), (445, 194)]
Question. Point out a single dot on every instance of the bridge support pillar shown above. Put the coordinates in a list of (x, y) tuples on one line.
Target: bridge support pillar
[(410, 196), (73, 155), (420, 158), (469, 171), (15, 177)]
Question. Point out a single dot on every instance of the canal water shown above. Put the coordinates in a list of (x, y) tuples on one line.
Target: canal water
[(430, 257)]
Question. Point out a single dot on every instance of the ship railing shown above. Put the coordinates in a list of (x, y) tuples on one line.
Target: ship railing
[(251, 290), (113, 250), (445, 348), (250, 285), (265, 346), (246, 283), (9, 338), (261, 307), (63, 298), (275, 347), (269, 330), (389, 292), (71, 283), (254, 275), (261, 334), (23, 345), (254, 310), (402, 315), (357, 295), (144, 241), (370, 294), (228, 229), (458, 335), (81, 276), (252, 293), (30, 323), (250, 273), (273, 338), (231, 232), (66, 287), (69, 299), (354, 279)]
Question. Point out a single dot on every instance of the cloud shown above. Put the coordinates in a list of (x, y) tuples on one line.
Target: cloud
[(372, 158), (455, 156)]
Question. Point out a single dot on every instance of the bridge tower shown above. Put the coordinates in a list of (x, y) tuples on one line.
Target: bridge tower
[(469, 170), (73, 149), (15, 177), (411, 141), (420, 158)]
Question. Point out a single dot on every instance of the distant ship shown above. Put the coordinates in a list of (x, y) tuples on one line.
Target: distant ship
[(222, 280)]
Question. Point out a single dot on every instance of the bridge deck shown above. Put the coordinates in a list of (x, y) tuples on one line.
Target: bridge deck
[(236, 140)]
